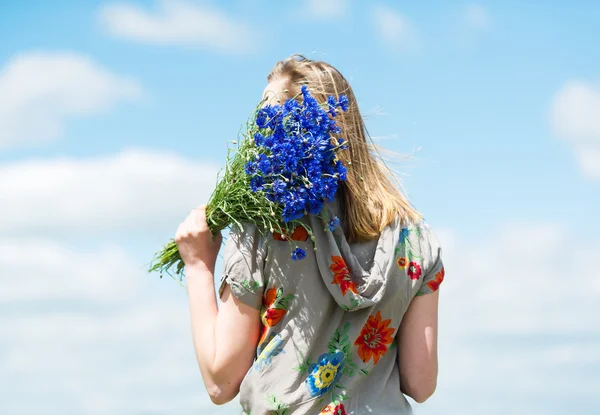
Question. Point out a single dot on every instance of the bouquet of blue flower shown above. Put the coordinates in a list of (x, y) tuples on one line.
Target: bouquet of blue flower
[(285, 167)]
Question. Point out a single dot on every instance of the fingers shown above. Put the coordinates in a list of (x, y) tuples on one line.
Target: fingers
[(200, 218), (193, 225)]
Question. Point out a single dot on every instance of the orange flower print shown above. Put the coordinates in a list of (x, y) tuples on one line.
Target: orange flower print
[(273, 316), (299, 234), (263, 334), (269, 297), (341, 275), (402, 262), (275, 306), (333, 409), (374, 338), (414, 271), (439, 277)]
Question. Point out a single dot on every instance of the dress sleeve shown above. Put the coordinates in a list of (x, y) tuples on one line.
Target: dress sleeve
[(434, 274), (243, 265)]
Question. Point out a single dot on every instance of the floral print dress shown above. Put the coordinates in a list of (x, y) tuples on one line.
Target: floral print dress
[(329, 321)]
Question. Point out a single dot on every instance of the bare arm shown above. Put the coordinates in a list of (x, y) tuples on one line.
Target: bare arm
[(417, 348), (225, 339)]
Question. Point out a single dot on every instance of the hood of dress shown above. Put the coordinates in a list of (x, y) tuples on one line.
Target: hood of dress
[(355, 274)]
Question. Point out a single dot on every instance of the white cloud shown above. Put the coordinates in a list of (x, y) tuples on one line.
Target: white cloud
[(395, 28), (138, 361), (575, 116), (326, 9), (517, 280), (39, 91), (90, 332), (45, 270), (477, 17), (589, 159), (135, 189), (576, 111), (178, 22), (516, 331)]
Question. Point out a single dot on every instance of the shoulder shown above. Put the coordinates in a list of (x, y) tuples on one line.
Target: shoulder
[(245, 237), (419, 252), (418, 235)]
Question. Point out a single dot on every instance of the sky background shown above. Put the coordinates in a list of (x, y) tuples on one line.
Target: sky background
[(114, 120)]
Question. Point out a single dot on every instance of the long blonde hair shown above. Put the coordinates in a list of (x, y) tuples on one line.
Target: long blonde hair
[(371, 194)]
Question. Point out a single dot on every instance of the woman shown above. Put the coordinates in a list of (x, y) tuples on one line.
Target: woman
[(346, 330)]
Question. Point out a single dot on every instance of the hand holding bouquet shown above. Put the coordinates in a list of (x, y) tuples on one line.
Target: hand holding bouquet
[(285, 167)]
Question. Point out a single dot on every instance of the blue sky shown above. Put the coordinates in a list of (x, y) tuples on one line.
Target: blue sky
[(114, 118)]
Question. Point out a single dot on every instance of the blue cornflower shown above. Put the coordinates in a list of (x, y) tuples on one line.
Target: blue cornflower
[(272, 110), (298, 254), (334, 128), (291, 213), (322, 144), (301, 196), (264, 164), (259, 139), (278, 134), (296, 165), (343, 103), (291, 163), (279, 186), (250, 168), (308, 122), (269, 140), (291, 106), (309, 101), (315, 206), (333, 223), (305, 92), (257, 183), (261, 118), (273, 113), (331, 105), (341, 170), (284, 148), (329, 187), (313, 170)]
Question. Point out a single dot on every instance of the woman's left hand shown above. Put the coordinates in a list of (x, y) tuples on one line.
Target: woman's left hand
[(197, 246)]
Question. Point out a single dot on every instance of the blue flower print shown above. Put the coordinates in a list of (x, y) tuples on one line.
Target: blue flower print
[(324, 374), (272, 347), (404, 234)]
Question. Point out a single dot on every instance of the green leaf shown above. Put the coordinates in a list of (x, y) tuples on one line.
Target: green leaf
[(303, 363)]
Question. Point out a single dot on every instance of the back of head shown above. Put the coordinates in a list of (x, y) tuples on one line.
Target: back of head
[(371, 194)]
